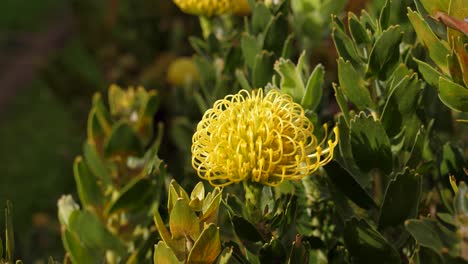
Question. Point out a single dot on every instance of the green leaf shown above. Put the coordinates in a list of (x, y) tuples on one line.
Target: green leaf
[(198, 192), (384, 18), (428, 256), (357, 30), (177, 245), (207, 247), (370, 144), (460, 202), (385, 53), (432, 234), (342, 103), (164, 254), (298, 252), (250, 49), (136, 194), (429, 74), (1, 249), (9, 234), (92, 233), (146, 115), (272, 252), (291, 78), (86, 184), (438, 49), (175, 192), (366, 245), (210, 207), (452, 161), (261, 16), (345, 157), (245, 230), (96, 164), (353, 86), (79, 253), (123, 141), (432, 6), (345, 46), (313, 90), (401, 199), (453, 95), (262, 68), (183, 222), (347, 184)]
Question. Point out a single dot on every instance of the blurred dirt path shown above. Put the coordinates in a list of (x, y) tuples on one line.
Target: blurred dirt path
[(27, 52)]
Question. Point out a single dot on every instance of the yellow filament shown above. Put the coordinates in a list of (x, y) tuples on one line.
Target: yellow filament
[(261, 138), (213, 7)]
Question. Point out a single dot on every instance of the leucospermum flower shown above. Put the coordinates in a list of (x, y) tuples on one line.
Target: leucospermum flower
[(262, 138), (213, 7)]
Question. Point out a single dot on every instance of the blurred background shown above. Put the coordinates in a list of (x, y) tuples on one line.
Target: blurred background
[(54, 55)]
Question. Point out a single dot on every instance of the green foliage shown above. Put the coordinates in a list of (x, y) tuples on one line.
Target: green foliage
[(394, 192), (119, 181)]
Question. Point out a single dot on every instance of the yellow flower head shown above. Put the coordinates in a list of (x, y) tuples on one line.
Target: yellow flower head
[(257, 137), (213, 7)]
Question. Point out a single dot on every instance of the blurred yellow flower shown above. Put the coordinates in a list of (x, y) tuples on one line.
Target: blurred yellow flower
[(182, 71), (213, 7), (257, 137)]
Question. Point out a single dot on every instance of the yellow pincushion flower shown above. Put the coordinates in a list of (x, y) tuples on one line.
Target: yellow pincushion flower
[(261, 138), (213, 7)]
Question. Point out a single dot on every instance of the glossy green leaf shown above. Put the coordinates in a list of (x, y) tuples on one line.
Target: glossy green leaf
[(366, 245), (342, 103), (429, 74), (96, 164), (183, 222), (198, 192), (313, 89), (384, 17), (86, 184), (357, 30), (245, 230), (385, 54), (353, 86), (123, 141), (460, 202), (370, 144), (92, 233), (175, 192), (348, 185), (401, 199), (432, 234), (453, 95), (261, 16), (291, 78), (452, 161), (146, 116), (438, 50), (432, 6), (262, 68), (210, 207), (136, 194), (250, 49), (177, 245), (346, 158), (78, 252), (207, 247), (164, 254), (345, 46), (272, 252)]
